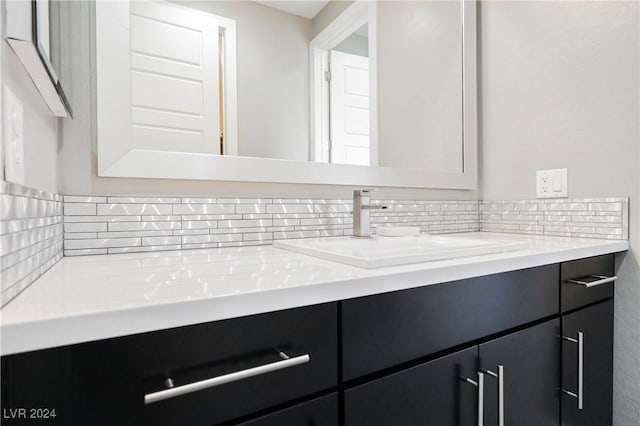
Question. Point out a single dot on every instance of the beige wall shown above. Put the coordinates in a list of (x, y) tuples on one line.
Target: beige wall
[(40, 126), (420, 85), (559, 87), (328, 14)]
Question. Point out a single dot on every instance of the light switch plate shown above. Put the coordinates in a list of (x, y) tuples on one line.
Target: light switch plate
[(13, 137), (552, 183)]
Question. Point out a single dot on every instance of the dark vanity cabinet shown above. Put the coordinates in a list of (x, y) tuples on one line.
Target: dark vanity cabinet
[(516, 376), (438, 392), (526, 347), (587, 348), (203, 374), (522, 376), (407, 326)]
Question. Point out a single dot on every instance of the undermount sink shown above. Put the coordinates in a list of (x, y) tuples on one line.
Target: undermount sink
[(378, 252)]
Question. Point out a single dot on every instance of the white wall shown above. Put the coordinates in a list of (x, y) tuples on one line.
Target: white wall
[(559, 88), (40, 126)]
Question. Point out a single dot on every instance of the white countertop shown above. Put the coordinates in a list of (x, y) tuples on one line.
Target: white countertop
[(96, 297)]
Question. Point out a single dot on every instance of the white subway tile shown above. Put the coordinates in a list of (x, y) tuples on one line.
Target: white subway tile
[(190, 209), (101, 243), (72, 219), (124, 234), (257, 236), (191, 231), (85, 227), (290, 208), (237, 230), (251, 208), (286, 222), (163, 218), (257, 216), (199, 200), (211, 216), (143, 226), (325, 221), (84, 252), (333, 208), (79, 209), (199, 246), (160, 241), (245, 200), (142, 249), (80, 235), (144, 200), (80, 199), (134, 209), (196, 239), (244, 223)]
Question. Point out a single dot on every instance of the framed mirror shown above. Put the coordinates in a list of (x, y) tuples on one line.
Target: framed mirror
[(320, 92)]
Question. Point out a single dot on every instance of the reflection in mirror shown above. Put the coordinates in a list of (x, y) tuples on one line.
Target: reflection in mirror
[(420, 73), (307, 81), (348, 92)]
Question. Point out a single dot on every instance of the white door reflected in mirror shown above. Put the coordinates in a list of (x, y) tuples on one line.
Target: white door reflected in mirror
[(349, 109), (175, 79)]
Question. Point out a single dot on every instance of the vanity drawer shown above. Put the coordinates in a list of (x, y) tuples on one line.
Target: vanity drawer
[(321, 411), (580, 281), (109, 381), (385, 330)]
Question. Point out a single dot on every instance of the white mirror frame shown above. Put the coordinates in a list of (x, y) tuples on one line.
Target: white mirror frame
[(22, 20), (116, 158)]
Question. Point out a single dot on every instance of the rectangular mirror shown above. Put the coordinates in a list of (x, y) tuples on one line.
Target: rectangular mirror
[(328, 92)]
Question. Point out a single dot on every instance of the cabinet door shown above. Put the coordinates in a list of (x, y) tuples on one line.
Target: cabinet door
[(530, 361), (596, 325), (318, 412), (434, 393)]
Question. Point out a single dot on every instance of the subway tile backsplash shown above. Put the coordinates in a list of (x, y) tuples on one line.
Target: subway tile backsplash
[(101, 225), (121, 224), (606, 218), (31, 237)]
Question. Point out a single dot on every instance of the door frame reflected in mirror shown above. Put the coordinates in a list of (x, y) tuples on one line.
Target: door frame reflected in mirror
[(351, 19)]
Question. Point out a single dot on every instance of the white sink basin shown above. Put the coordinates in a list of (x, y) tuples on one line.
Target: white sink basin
[(378, 252)]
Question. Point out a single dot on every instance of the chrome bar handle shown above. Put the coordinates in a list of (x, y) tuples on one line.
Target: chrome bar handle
[(172, 392), (480, 385), (500, 395), (602, 280), (580, 395), (500, 377)]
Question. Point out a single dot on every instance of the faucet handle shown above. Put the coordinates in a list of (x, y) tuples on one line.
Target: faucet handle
[(363, 191)]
